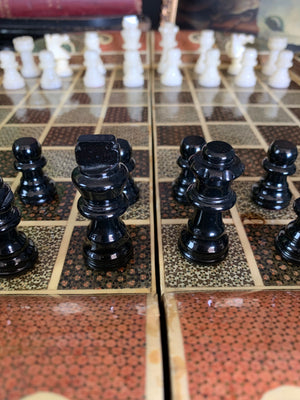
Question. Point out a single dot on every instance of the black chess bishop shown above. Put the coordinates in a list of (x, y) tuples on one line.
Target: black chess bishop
[(100, 178), (189, 146), (35, 187), (204, 240), (272, 191), (17, 252), (131, 190), (287, 241)]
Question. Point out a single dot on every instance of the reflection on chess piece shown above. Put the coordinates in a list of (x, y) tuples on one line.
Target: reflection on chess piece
[(172, 75), (49, 78), (235, 49), (246, 77), (54, 43), (276, 44), (93, 78), (288, 240), (35, 187), (210, 76), (280, 79), (17, 252), (24, 45), (206, 42), (272, 191), (131, 190), (204, 239), (100, 178), (12, 79), (189, 146)]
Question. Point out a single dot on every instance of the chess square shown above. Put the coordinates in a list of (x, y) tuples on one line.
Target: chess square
[(10, 133), (255, 98), (66, 135), (78, 115), (176, 114), (126, 114), (252, 159), (136, 135), (277, 132), (7, 160), (173, 97), (172, 135), (130, 97), (268, 114), (222, 113), (31, 116), (235, 134)]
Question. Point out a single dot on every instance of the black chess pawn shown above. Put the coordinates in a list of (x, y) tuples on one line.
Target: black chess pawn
[(189, 146), (272, 191), (131, 190), (288, 239), (204, 239), (35, 187), (100, 178), (17, 252)]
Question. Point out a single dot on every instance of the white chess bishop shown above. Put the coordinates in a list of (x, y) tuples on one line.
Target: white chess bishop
[(168, 33), (235, 49), (93, 78), (246, 76), (206, 42), (210, 76), (54, 43), (276, 44), (12, 79), (24, 45), (92, 42), (280, 79), (172, 75), (49, 79), (133, 69)]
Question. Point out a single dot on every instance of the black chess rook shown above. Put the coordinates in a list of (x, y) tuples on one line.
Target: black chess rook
[(35, 187), (131, 190), (272, 191), (204, 240), (189, 146), (17, 252), (100, 178), (287, 241)]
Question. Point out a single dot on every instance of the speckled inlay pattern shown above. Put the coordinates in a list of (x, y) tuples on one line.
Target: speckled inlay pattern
[(129, 97), (66, 135), (93, 98), (239, 345), (255, 98), (136, 135), (176, 113), (7, 164), (166, 162), (268, 114), (31, 116), (8, 134), (252, 159), (215, 96), (60, 163), (126, 114), (173, 97), (88, 115), (276, 132), (222, 113), (172, 135), (235, 134), (180, 273)]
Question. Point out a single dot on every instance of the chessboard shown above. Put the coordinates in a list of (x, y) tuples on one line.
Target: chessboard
[(120, 308)]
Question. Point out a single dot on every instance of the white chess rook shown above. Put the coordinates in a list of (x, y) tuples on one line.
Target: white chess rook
[(210, 76), (49, 79), (280, 79), (206, 42), (93, 78), (12, 79), (246, 76), (276, 45), (24, 45), (172, 75)]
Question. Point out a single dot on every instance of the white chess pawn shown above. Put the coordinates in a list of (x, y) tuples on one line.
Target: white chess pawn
[(24, 45), (246, 76), (210, 76), (12, 79), (235, 49), (92, 42), (130, 33), (133, 69), (92, 77), (54, 44), (276, 45), (206, 42), (49, 79), (172, 75), (168, 33), (280, 79)]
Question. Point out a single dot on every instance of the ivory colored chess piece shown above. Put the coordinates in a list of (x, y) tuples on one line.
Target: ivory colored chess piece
[(280, 79), (92, 77), (276, 45), (92, 42), (12, 79), (168, 33), (246, 76), (49, 79), (172, 75), (131, 33), (235, 49), (54, 43), (133, 69), (24, 45), (210, 76), (206, 42)]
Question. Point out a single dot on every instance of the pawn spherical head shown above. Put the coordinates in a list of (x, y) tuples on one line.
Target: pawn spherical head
[(191, 145), (27, 149), (282, 152)]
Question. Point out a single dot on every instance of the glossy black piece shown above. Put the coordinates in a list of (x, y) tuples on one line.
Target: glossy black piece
[(131, 190), (272, 191), (204, 239), (35, 187), (17, 252), (287, 241), (189, 146), (100, 178)]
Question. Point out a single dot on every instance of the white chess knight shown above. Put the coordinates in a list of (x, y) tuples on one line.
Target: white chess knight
[(246, 76), (210, 76), (206, 42), (172, 75), (276, 44), (93, 78), (133, 69), (54, 43), (280, 79), (235, 49), (92, 42), (131, 33), (168, 33), (12, 79), (24, 45), (49, 79)]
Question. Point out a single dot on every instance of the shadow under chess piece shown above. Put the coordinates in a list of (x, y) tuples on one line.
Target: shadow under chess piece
[(204, 239), (189, 146), (17, 252), (100, 178), (287, 241), (272, 191), (131, 190), (35, 187)]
